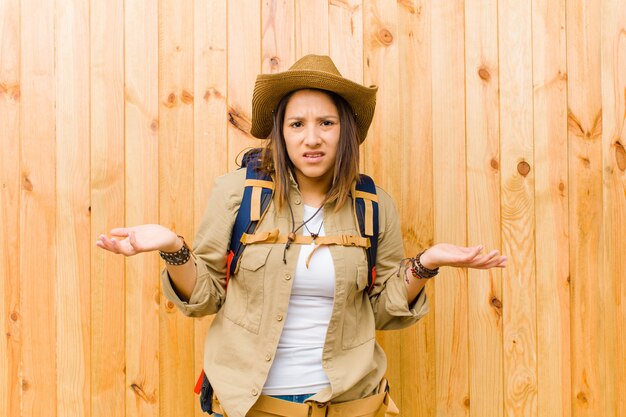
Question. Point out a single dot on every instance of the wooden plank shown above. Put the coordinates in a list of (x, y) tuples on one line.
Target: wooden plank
[(73, 238), (176, 186), (311, 27), (483, 205), (10, 323), (141, 201), (613, 56), (380, 51), (37, 210), (450, 204), (517, 208), (551, 199), (588, 352), (418, 355), (244, 64), (277, 35), (107, 207), (210, 126), (345, 21), (345, 36)]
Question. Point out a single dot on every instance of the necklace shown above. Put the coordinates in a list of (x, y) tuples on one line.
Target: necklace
[(292, 236), (314, 235)]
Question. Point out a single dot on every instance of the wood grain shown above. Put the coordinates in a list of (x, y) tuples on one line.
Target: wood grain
[(588, 350), (311, 28), (176, 96), (517, 208), (210, 125), (73, 212), (38, 247), (380, 51), (483, 206), (415, 94), (450, 204), (244, 64), (107, 207), (345, 36), (277, 35), (470, 139), (10, 323), (613, 288), (551, 208), (141, 202)]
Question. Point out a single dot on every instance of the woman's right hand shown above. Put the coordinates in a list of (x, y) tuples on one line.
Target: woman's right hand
[(143, 238)]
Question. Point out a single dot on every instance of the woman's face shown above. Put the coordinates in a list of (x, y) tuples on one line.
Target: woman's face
[(311, 131)]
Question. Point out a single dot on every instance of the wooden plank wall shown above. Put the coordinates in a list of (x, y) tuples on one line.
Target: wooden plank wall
[(499, 122)]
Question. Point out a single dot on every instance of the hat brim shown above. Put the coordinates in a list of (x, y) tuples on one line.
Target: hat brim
[(269, 89)]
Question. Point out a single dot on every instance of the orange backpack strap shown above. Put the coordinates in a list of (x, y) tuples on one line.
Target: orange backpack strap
[(257, 195)]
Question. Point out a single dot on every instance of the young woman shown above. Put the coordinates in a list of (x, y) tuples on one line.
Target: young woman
[(294, 332)]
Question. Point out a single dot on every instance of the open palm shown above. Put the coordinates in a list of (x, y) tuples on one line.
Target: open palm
[(130, 241), (445, 254)]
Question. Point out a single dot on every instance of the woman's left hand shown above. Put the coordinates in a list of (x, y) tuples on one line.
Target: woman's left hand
[(445, 254)]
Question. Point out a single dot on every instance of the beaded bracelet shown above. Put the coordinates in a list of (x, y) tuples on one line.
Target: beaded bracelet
[(420, 271), (180, 257)]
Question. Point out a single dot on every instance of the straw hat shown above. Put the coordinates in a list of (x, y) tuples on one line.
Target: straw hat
[(311, 71)]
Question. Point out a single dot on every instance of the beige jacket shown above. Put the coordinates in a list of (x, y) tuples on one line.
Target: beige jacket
[(244, 335)]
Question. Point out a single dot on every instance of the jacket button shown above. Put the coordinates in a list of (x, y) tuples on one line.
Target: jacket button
[(279, 317), (268, 357), (255, 392), (287, 277), (297, 201)]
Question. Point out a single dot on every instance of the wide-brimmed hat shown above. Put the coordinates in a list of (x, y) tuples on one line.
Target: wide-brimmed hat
[(310, 71)]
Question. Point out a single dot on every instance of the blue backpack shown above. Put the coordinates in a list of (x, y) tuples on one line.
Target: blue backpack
[(257, 195)]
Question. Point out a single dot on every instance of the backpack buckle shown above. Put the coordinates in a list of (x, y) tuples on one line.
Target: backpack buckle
[(318, 409)]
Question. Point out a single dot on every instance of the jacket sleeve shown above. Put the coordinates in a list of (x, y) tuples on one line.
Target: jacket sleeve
[(210, 249), (389, 295)]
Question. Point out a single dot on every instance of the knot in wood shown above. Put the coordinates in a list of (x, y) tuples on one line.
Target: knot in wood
[(484, 74), (620, 156), (385, 37), (274, 61), (494, 164), (14, 316), (523, 168), (171, 100), (186, 97), (496, 303), (26, 184)]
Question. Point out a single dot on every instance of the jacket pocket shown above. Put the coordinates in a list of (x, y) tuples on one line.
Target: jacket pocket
[(358, 325), (244, 296)]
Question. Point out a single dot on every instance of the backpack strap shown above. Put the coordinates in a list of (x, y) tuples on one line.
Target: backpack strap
[(366, 213), (257, 195)]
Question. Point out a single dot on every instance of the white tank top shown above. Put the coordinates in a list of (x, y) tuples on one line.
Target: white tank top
[(297, 366)]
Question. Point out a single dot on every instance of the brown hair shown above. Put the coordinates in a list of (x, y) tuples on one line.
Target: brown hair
[(276, 162)]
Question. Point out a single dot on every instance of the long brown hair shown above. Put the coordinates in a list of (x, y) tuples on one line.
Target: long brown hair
[(276, 162)]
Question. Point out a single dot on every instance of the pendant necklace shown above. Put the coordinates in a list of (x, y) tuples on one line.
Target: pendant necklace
[(292, 236), (314, 235)]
